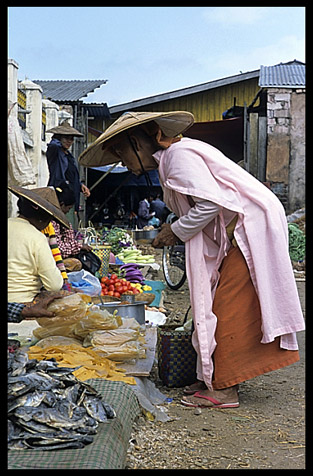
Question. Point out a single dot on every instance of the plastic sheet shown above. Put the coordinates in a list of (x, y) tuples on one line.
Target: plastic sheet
[(149, 396)]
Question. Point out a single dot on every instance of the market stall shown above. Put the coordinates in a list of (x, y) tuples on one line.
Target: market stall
[(96, 338)]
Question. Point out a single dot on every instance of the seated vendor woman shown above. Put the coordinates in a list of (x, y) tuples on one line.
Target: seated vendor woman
[(31, 266), (68, 245)]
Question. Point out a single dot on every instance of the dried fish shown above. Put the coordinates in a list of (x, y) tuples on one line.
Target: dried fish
[(19, 363), (49, 408), (95, 408), (32, 399), (67, 445)]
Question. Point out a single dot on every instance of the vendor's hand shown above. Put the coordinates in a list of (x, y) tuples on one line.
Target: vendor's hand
[(39, 309), (86, 247), (165, 238), (85, 191)]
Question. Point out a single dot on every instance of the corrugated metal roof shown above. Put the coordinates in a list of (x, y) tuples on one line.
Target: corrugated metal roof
[(288, 75), (185, 91), (68, 91), (97, 110)]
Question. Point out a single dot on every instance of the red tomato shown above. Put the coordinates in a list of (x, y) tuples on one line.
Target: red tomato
[(110, 293), (111, 287), (114, 276), (116, 294), (117, 285), (136, 291), (104, 279)]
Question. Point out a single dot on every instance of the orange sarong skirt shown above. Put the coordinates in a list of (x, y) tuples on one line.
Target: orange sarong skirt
[(239, 354)]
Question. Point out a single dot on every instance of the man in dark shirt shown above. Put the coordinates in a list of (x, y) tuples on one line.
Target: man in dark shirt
[(61, 163)]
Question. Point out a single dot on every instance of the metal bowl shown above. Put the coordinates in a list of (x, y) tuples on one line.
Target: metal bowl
[(142, 237), (135, 310)]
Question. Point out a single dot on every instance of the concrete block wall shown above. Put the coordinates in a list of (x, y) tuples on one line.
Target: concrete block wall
[(285, 146)]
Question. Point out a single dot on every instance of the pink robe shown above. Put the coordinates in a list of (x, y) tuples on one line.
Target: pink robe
[(192, 167)]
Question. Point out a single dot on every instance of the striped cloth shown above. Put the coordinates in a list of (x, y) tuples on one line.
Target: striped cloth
[(50, 234)]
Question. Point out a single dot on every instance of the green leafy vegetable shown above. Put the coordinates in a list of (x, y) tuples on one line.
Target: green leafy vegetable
[(296, 242)]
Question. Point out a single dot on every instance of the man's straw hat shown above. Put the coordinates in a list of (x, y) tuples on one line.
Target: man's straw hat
[(45, 198), (171, 124), (65, 130)]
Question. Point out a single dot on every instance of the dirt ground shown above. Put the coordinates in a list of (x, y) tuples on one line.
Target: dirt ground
[(267, 431)]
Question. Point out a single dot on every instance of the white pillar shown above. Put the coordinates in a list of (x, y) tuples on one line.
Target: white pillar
[(33, 121), (12, 84)]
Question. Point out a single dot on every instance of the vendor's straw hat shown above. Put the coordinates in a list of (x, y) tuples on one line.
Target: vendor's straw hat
[(65, 130), (45, 198), (171, 123)]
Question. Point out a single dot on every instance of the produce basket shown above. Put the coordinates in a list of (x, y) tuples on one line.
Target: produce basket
[(103, 252)]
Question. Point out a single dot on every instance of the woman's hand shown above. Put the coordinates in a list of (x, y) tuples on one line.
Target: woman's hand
[(39, 309), (165, 238), (85, 191)]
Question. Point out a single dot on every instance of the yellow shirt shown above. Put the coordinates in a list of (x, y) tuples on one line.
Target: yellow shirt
[(31, 265)]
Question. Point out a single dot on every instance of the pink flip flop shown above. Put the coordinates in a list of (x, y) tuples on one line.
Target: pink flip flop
[(189, 391), (216, 403)]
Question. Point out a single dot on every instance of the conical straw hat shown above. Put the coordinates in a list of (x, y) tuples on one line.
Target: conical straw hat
[(171, 123), (46, 198), (66, 130)]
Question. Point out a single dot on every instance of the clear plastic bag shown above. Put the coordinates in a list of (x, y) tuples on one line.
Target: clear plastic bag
[(85, 282), (111, 337), (96, 320), (130, 323), (121, 353), (56, 341)]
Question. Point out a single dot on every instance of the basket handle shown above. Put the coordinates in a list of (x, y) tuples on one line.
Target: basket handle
[(185, 318), (186, 315)]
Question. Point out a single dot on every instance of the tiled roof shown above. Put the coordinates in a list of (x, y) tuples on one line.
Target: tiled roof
[(288, 75), (68, 91)]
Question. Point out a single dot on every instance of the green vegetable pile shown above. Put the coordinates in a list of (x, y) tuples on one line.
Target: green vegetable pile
[(296, 242), (118, 238)]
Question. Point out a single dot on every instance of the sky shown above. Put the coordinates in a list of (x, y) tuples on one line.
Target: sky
[(145, 51)]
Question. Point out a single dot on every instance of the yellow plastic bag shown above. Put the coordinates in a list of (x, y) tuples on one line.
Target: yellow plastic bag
[(68, 310)]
